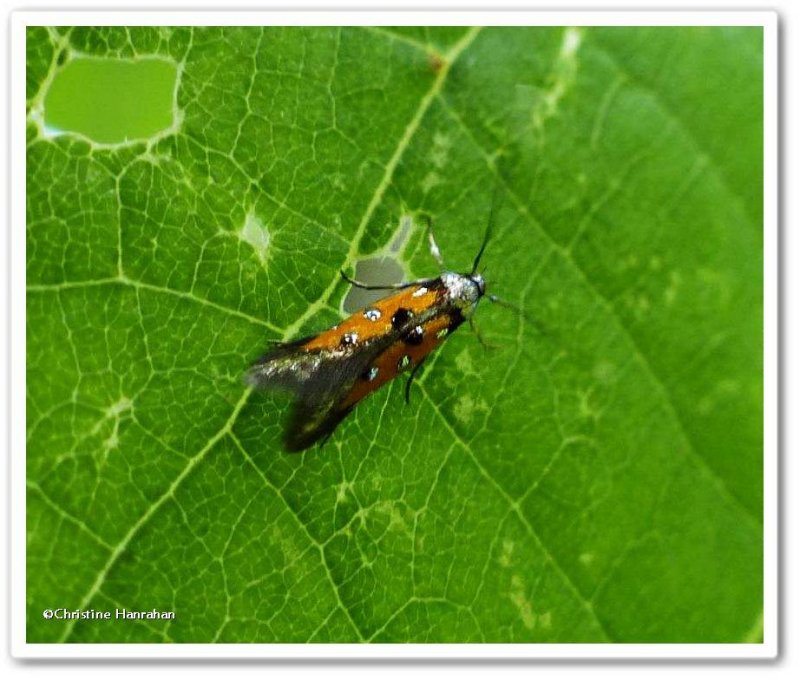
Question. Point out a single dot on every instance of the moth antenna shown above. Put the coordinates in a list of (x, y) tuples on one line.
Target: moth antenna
[(489, 228), (483, 247)]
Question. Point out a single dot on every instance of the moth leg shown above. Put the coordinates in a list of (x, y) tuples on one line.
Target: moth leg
[(530, 319), (411, 379), (387, 286), (321, 443), (486, 345), (434, 247), (500, 302)]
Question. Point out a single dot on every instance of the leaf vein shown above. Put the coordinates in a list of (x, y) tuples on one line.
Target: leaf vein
[(122, 546), (304, 528), (386, 180), (514, 505), (624, 331)]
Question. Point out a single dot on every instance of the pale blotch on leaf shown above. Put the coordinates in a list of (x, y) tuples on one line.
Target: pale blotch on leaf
[(523, 605), (586, 407), (464, 362), (638, 303), (393, 513), (398, 520), (671, 292), (112, 413), (726, 390), (287, 545), (257, 235), (339, 181), (716, 284), (572, 41), (604, 372), (466, 407), (120, 406), (343, 490), (631, 262), (546, 620), (431, 180), (440, 150), (113, 440), (586, 559), (438, 159), (561, 80), (506, 554)]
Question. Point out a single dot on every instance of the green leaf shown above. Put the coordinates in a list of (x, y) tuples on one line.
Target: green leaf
[(596, 478)]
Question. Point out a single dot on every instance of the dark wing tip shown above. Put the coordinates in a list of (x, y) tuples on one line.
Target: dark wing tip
[(309, 424)]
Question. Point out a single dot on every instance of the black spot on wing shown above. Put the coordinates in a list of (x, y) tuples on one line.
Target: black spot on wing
[(319, 380), (415, 336), (400, 318)]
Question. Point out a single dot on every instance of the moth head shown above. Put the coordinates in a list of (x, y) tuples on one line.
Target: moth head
[(464, 289), (480, 282)]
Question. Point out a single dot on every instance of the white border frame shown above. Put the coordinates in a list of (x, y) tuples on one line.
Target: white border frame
[(20, 648)]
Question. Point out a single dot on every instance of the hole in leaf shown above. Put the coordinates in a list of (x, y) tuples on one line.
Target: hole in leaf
[(112, 100), (374, 271)]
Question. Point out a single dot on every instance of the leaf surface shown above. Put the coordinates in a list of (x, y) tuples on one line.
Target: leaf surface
[(596, 478)]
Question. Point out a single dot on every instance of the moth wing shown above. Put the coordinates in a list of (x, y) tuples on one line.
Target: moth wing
[(319, 380), (284, 367), (310, 422), (314, 376)]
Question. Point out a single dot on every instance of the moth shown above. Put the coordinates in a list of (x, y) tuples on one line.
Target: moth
[(331, 372)]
